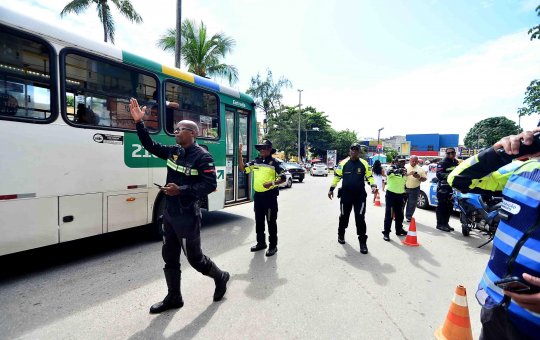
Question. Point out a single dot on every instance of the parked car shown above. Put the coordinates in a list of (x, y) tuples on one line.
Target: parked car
[(289, 178), (319, 169), (296, 170), (427, 197)]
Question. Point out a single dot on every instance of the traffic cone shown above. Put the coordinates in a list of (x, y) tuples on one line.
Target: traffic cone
[(411, 240), (457, 324), (377, 199)]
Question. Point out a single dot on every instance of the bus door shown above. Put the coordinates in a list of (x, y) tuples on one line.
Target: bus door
[(237, 186)]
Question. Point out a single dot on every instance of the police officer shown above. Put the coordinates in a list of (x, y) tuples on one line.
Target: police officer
[(516, 247), (445, 203), (395, 198), (191, 175), (268, 174), (353, 170)]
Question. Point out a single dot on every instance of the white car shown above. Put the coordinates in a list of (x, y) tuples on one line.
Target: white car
[(427, 197), (288, 180), (319, 169)]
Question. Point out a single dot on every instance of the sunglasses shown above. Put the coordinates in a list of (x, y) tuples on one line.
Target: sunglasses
[(355, 149), (451, 153), (180, 129), (264, 148)]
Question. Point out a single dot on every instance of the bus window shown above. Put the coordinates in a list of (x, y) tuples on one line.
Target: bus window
[(185, 102), (25, 80), (98, 92)]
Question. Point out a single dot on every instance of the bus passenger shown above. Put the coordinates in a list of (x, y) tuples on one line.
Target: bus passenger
[(191, 175)]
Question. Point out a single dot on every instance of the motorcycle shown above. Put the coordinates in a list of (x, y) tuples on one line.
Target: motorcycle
[(477, 212)]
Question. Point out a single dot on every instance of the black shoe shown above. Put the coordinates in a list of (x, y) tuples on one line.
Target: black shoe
[(170, 302), (363, 248), (449, 227), (341, 240), (408, 220), (386, 237), (444, 228), (271, 251), (221, 286), (401, 233), (258, 247)]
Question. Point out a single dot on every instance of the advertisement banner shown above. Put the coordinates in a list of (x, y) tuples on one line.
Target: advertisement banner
[(331, 158), (405, 149)]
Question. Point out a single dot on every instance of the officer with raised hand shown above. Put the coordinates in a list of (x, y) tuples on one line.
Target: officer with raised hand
[(516, 247), (268, 174), (191, 175), (353, 170)]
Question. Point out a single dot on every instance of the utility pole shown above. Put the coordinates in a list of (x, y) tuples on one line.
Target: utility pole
[(379, 138), (299, 116), (178, 40)]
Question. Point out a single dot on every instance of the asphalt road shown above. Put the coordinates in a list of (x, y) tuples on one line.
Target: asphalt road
[(313, 288)]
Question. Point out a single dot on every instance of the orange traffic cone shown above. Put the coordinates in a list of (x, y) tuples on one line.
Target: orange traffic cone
[(457, 324), (377, 199), (411, 240)]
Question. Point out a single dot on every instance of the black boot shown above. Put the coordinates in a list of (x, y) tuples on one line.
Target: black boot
[(363, 244), (220, 278), (174, 297)]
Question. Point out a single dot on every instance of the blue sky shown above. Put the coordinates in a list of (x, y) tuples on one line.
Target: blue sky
[(416, 66)]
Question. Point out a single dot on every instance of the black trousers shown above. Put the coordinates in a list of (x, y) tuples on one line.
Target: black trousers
[(496, 325), (445, 206), (394, 203), (266, 208), (346, 206), (173, 244)]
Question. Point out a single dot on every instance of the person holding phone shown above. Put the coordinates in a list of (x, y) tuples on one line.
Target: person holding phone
[(191, 175), (509, 289), (415, 176)]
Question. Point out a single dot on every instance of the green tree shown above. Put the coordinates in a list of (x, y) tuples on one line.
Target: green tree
[(283, 130), (532, 99), (342, 141), (267, 93), (535, 31), (488, 131), (319, 131), (390, 154), (202, 53), (104, 13)]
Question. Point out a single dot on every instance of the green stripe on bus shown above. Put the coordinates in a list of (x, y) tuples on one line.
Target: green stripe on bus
[(133, 59)]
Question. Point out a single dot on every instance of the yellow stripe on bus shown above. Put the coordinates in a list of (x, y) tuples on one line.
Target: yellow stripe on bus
[(171, 71)]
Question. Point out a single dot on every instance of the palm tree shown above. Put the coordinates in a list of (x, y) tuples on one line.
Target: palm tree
[(104, 13), (201, 53)]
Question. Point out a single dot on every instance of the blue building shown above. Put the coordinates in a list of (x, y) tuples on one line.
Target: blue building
[(429, 144)]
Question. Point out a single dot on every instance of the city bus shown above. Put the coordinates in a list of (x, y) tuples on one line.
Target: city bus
[(72, 165)]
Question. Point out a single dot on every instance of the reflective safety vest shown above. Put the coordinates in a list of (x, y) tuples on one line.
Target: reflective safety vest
[(268, 170), (516, 247)]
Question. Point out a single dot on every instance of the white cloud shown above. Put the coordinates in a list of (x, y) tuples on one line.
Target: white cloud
[(443, 98)]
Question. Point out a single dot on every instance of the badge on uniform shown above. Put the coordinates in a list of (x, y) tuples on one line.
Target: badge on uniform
[(175, 157)]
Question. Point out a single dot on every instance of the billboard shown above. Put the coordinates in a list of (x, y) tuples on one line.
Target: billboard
[(405, 148), (331, 158)]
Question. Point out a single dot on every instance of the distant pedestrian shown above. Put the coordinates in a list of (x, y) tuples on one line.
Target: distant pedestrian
[(415, 175), (378, 176), (268, 174), (395, 191), (354, 171)]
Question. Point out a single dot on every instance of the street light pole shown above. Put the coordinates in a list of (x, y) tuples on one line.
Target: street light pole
[(299, 115), (379, 137)]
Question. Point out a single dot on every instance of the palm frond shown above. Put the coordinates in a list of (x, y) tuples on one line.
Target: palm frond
[(75, 6)]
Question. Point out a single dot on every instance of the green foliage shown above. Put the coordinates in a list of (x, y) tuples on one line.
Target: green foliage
[(390, 153), (488, 131), (342, 141), (532, 99), (267, 93), (202, 53), (535, 31), (104, 13)]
